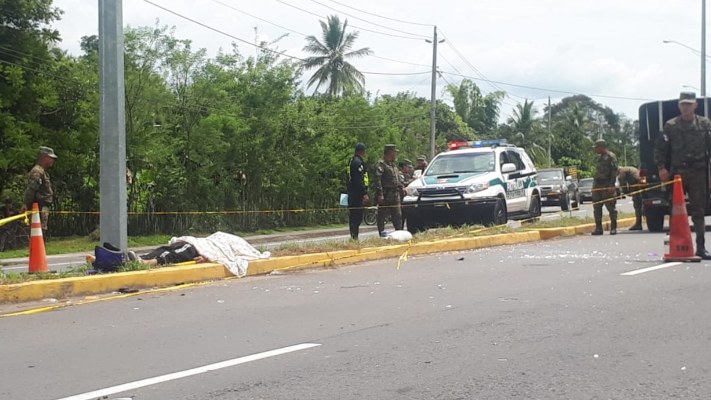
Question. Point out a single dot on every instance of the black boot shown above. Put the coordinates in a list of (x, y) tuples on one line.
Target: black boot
[(701, 249), (613, 226), (637, 225), (598, 228)]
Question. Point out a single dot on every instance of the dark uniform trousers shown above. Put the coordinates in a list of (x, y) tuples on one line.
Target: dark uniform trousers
[(694, 181), (355, 213), (391, 205), (603, 191)]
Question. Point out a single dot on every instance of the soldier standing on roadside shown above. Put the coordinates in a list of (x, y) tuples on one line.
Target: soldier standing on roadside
[(629, 182), (407, 172), (388, 189), (357, 189), (684, 149), (39, 187), (604, 187), (421, 164)]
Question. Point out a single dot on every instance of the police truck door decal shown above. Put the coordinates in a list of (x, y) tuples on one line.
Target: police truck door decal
[(515, 188)]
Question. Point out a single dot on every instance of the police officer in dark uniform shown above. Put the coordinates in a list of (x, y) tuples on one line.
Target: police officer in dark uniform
[(388, 189), (683, 150), (604, 187), (357, 189)]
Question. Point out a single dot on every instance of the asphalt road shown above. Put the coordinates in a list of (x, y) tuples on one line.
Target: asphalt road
[(270, 242), (546, 320)]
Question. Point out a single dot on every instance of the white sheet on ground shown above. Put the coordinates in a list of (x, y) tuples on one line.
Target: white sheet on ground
[(223, 248)]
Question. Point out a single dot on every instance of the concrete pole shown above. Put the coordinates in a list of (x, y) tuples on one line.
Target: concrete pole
[(703, 57), (112, 153), (550, 133), (433, 105)]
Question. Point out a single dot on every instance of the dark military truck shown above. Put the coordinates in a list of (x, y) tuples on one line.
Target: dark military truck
[(657, 202)]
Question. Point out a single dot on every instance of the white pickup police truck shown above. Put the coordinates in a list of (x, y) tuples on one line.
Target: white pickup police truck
[(486, 182)]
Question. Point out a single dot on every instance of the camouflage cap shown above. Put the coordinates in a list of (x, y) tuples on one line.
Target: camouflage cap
[(600, 143), (406, 162), (390, 147), (687, 97), (422, 158), (47, 151)]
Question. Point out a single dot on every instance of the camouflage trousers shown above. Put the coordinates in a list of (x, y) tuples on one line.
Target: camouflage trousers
[(603, 196), (44, 217), (391, 206), (695, 186)]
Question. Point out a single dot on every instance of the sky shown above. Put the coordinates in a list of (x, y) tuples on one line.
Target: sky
[(595, 47)]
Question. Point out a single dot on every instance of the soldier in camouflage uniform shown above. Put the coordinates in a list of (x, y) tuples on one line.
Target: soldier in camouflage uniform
[(604, 187), (683, 150), (407, 172), (388, 189), (630, 182), (39, 186)]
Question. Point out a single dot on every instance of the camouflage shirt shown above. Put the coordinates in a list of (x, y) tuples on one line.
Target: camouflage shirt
[(606, 171), (39, 188), (684, 145), (628, 176), (387, 177)]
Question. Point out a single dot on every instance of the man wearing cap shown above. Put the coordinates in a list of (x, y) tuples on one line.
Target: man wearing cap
[(388, 189), (421, 164), (357, 189), (407, 172), (604, 187), (683, 150), (39, 187)]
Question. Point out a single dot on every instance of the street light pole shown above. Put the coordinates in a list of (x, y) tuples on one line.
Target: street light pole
[(112, 142), (433, 105), (703, 57)]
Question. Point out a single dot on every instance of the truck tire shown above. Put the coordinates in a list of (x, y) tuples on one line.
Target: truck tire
[(655, 220), (498, 215), (415, 224)]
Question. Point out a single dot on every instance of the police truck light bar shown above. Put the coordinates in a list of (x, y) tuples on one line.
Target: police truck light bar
[(476, 143)]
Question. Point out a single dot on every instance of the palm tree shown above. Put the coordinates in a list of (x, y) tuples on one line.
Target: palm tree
[(331, 58), (524, 117)]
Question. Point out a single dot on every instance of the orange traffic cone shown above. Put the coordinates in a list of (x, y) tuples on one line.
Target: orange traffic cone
[(681, 248), (38, 257)]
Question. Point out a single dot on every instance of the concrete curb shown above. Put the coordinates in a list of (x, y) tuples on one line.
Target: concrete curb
[(169, 276)]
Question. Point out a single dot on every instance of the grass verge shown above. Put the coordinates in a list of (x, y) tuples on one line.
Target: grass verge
[(292, 249)]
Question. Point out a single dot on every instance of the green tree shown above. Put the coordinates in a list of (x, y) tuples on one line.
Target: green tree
[(479, 111), (332, 56)]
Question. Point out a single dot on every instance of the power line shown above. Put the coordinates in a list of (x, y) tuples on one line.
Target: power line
[(468, 63), (363, 29), (380, 16), (262, 47), (369, 22), (551, 90), (305, 35), (256, 17)]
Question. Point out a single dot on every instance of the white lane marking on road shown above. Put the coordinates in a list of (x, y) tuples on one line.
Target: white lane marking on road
[(51, 265), (190, 372), (650, 269)]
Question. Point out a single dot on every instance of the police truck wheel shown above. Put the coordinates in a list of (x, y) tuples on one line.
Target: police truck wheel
[(414, 224), (498, 214), (655, 220)]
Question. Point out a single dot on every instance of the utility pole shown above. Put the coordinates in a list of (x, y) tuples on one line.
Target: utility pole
[(703, 57), (112, 142), (433, 106), (550, 133)]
